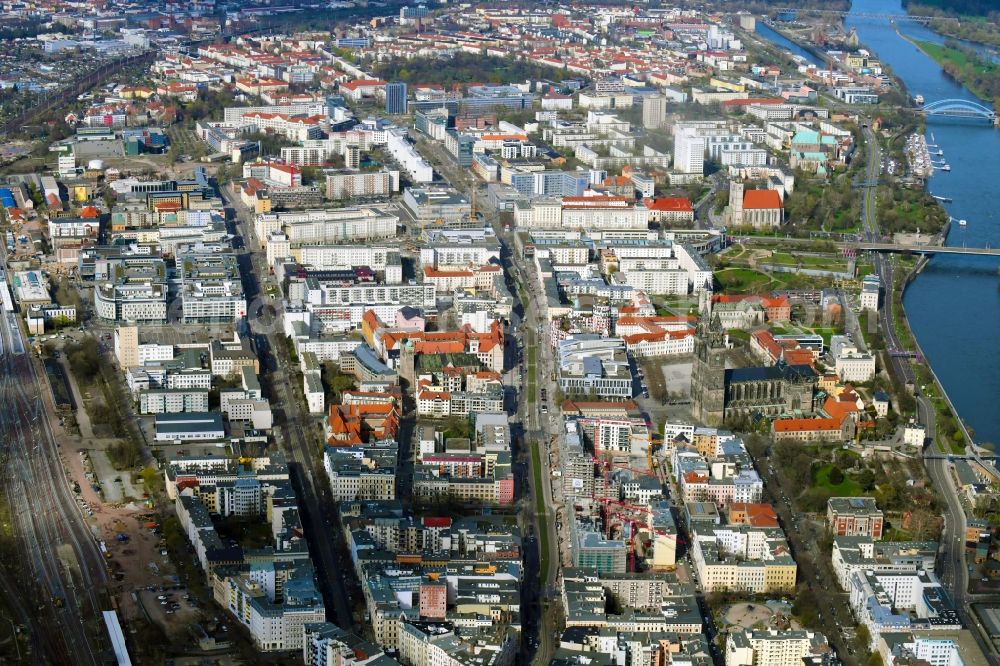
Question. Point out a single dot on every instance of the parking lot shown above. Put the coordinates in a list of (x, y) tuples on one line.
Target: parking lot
[(170, 609), (678, 378), (117, 486)]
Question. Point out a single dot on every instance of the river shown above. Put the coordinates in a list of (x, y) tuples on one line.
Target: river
[(954, 305), (770, 34)]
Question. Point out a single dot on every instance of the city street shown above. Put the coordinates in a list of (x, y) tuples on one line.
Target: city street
[(952, 564), (297, 433)]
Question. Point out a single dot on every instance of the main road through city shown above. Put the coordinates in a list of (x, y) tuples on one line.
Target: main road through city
[(951, 558), (298, 436)]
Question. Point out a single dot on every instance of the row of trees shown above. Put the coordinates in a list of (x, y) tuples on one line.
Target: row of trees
[(465, 68), (978, 72), (830, 206), (986, 8), (887, 481), (982, 32), (904, 209)]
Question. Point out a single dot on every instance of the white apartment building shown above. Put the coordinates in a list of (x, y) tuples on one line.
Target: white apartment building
[(172, 401), (748, 559), (352, 483), (666, 343), (293, 128), (479, 278), (140, 302), (420, 296), (235, 114), (598, 213), (406, 155), (210, 288), (379, 258), (273, 626), (753, 647), (864, 554), (220, 301), (313, 389), (870, 288), (317, 152), (153, 352), (657, 281), (934, 650), (189, 379), (347, 184), (328, 226), (256, 412), (854, 366), (277, 247), (538, 214), (689, 151), (914, 435), (441, 404), (890, 602), (459, 254)]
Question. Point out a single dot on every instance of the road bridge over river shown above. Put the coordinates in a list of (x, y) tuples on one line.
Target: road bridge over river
[(869, 246)]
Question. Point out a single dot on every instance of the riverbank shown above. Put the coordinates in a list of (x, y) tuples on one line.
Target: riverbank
[(974, 72), (976, 29), (945, 421)]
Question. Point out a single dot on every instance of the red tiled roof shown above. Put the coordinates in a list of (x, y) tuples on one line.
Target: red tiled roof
[(670, 204), (753, 100), (362, 83), (434, 521), (761, 199), (806, 425)]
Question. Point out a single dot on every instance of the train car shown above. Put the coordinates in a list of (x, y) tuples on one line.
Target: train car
[(5, 297)]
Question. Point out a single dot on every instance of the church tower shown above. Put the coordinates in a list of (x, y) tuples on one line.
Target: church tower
[(708, 374), (736, 203)]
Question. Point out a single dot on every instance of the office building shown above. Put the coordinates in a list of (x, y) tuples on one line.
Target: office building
[(870, 288), (689, 151), (854, 516), (395, 98), (654, 111), (789, 647)]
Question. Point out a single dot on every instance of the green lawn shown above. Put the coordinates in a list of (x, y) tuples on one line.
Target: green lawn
[(942, 54), (739, 334), (896, 534), (741, 279), (847, 488), (543, 525), (823, 263), (531, 373), (827, 333)]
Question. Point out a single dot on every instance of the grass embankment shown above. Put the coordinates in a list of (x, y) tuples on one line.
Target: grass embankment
[(812, 261), (741, 279), (532, 384), (540, 519), (979, 73), (942, 54)]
